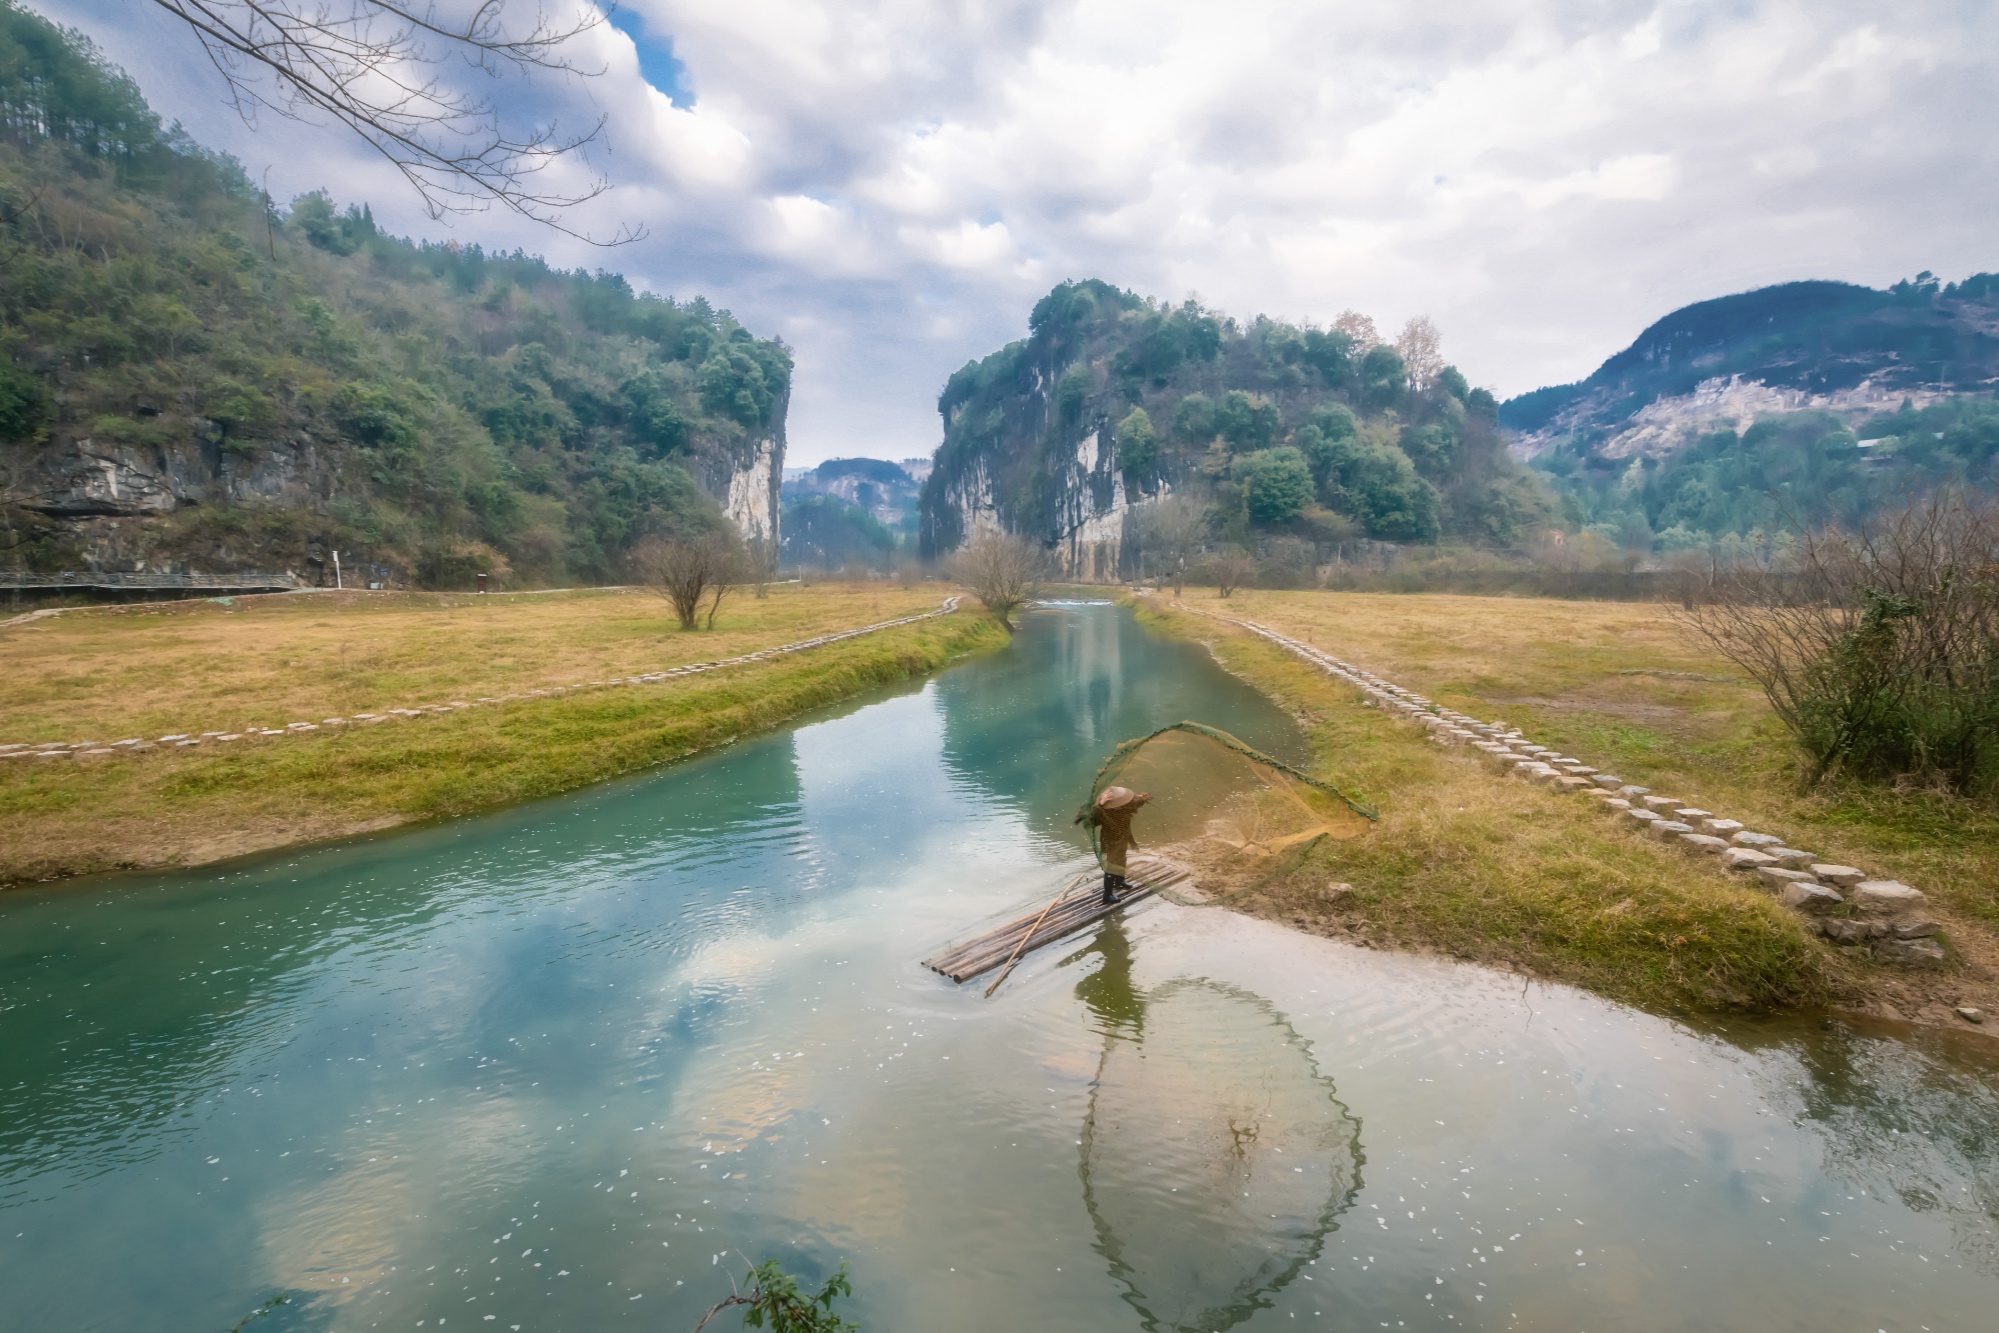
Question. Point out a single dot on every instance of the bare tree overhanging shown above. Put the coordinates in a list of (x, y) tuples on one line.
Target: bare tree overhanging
[(380, 68), (1879, 648), (1002, 570), (687, 572)]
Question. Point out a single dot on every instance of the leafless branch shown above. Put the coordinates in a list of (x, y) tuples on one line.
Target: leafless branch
[(377, 67)]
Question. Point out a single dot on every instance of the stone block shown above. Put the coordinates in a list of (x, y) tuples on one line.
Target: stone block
[(1886, 897), (1776, 877), (52, 754), (1808, 898), (1756, 840), (1721, 828), (92, 756), (1911, 953), (1790, 856), (1608, 780), (1846, 930), (1631, 793), (1744, 858), (1663, 803), (1705, 843), (1969, 1014), (1638, 816), (1665, 830), (1843, 877), (1572, 784), (1916, 928)]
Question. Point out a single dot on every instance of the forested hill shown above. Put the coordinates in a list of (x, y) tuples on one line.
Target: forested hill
[(1802, 403), (188, 382), (1300, 437), (1820, 344)]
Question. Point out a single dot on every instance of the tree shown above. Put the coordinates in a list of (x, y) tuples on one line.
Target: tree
[(686, 571), (1137, 445), (383, 69), (1278, 486), (1359, 329), (1230, 569), (775, 1301), (760, 564), (1419, 344), (1000, 568), (1175, 527)]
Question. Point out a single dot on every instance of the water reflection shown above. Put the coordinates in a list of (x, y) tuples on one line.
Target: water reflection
[(1215, 1155)]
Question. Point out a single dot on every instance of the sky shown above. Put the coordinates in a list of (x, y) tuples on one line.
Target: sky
[(889, 185)]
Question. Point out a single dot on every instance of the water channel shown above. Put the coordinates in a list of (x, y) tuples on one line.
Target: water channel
[(560, 1068)]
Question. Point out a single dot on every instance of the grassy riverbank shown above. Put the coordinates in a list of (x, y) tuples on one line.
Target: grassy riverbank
[(1471, 864), (113, 674)]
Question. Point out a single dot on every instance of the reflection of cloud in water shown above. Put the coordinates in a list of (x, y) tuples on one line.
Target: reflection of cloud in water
[(1905, 1115), (1215, 1156)]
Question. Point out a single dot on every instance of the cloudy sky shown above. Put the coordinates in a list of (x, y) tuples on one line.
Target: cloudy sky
[(889, 184)]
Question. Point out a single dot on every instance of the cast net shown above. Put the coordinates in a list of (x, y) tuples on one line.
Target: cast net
[(1216, 806)]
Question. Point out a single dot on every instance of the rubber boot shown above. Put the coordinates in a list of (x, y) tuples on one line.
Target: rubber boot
[(1110, 887)]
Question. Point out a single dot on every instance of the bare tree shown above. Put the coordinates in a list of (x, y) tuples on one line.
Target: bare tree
[(1421, 348), (760, 564), (1360, 328), (381, 68), (1173, 529), (1879, 647), (1230, 569), (1001, 569), (687, 572)]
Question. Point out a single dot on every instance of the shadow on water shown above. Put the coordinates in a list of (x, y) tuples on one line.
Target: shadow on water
[(1216, 1158)]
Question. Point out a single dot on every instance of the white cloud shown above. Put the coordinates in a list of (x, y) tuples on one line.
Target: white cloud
[(889, 184)]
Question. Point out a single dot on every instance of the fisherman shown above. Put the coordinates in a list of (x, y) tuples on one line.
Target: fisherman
[(1111, 815)]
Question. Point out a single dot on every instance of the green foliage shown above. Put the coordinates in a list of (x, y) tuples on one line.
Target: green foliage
[(461, 400), (825, 532), (1247, 422), (1137, 445), (1277, 486), (24, 404), (1215, 393), (1379, 486), (775, 1301), (1072, 392)]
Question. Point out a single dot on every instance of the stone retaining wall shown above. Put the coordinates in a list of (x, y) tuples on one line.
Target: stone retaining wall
[(99, 751)]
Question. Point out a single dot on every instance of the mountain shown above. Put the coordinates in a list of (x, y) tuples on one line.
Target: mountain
[(192, 381), (1804, 402), (851, 511), (1299, 437)]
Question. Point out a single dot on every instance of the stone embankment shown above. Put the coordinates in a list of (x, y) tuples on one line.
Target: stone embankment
[(97, 751), (1845, 905)]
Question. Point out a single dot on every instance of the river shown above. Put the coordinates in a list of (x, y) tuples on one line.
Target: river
[(565, 1066)]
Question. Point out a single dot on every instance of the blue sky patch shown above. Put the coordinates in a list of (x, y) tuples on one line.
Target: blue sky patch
[(657, 63)]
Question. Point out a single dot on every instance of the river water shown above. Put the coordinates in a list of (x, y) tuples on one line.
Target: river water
[(560, 1068)]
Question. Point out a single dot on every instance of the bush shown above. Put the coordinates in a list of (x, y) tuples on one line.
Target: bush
[(1880, 649)]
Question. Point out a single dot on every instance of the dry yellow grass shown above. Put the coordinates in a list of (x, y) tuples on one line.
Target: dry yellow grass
[(106, 673), (1481, 866), (187, 807)]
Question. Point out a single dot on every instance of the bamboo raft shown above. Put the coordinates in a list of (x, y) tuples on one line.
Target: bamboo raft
[(1078, 908)]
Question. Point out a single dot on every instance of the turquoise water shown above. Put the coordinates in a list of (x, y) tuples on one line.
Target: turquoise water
[(563, 1067)]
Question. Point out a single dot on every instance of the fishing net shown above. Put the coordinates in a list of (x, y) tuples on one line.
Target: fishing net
[(1216, 1157), (1212, 804)]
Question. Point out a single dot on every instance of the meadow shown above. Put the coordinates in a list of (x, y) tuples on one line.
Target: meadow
[(143, 671), (1479, 866)]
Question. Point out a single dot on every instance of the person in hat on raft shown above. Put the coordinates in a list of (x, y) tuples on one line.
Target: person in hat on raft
[(1111, 815)]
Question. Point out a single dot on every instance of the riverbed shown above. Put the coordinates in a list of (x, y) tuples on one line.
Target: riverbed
[(575, 1065)]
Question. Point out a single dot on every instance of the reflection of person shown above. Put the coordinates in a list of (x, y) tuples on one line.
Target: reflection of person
[(1111, 814)]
